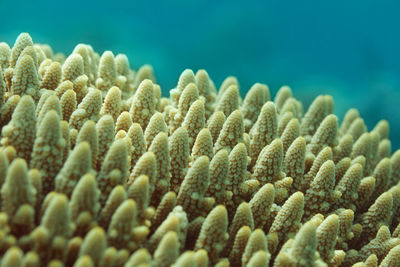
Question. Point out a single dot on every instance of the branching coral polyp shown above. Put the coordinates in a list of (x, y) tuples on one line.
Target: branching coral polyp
[(98, 169)]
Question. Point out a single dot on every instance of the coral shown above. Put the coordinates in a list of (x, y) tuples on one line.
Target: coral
[(98, 169)]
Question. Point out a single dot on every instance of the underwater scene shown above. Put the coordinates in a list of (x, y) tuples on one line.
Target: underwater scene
[(348, 49), (199, 133)]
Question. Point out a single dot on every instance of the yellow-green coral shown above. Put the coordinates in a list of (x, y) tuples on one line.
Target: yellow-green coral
[(98, 169)]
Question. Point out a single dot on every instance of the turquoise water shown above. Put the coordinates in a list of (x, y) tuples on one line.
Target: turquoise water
[(349, 49)]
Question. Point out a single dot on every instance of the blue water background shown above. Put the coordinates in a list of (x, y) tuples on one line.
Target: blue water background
[(349, 49)]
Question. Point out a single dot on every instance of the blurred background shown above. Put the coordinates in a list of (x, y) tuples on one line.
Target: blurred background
[(349, 49)]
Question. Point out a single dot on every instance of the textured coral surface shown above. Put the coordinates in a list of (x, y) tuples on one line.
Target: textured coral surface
[(98, 169)]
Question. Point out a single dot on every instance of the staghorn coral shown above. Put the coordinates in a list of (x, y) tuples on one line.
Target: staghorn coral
[(97, 169)]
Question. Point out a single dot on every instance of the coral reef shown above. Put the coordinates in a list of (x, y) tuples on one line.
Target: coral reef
[(98, 169)]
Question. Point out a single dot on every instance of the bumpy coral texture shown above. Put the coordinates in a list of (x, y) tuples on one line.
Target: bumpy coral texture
[(98, 169)]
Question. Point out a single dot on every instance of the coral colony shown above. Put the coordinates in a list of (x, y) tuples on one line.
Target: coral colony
[(98, 169)]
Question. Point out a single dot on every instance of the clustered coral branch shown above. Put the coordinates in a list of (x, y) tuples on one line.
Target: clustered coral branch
[(98, 169)]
